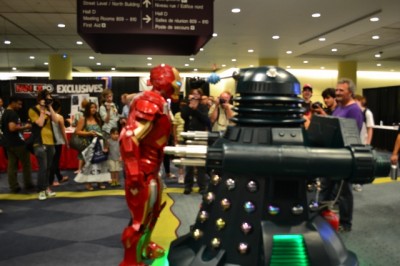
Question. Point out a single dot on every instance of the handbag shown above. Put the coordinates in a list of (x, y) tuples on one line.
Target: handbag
[(78, 143), (98, 154)]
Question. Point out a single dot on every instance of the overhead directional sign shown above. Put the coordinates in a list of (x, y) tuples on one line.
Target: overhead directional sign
[(187, 21)]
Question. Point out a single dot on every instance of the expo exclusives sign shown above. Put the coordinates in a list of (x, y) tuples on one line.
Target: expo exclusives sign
[(60, 87)]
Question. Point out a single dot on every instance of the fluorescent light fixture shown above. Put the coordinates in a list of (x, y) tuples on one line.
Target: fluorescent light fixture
[(31, 57), (275, 37), (235, 10), (149, 58), (250, 51), (375, 37), (61, 25), (305, 62), (215, 34), (201, 49), (91, 57), (46, 63), (334, 50), (379, 64), (322, 39), (191, 59), (113, 69), (374, 19), (316, 15), (79, 42), (14, 69), (289, 52), (377, 55), (149, 64), (233, 60), (195, 70), (98, 63), (7, 42)]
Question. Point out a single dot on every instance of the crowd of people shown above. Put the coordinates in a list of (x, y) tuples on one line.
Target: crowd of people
[(197, 112)]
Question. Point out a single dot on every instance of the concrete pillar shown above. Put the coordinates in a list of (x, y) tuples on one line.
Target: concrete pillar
[(268, 62), (60, 67), (348, 69)]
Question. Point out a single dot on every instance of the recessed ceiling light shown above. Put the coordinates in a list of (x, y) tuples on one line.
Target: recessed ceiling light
[(322, 39), (233, 60), (149, 64), (98, 63), (223, 65), (289, 52), (379, 64), (334, 50), (149, 58), (288, 67), (113, 68), (377, 55), (201, 49), (79, 42), (316, 15), (61, 25), (275, 37), (305, 62), (250, 51), (215, 34), (91, 57), (251, 65), (7, 42), (14, 68), (374, 19), (195, 70), (31, 57), (186, 65), (191, 59), (322, 67), (235, 10), (375, 37), (46, 63)]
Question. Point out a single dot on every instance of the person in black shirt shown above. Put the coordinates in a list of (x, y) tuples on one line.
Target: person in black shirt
[(14, 144), (196, 118)]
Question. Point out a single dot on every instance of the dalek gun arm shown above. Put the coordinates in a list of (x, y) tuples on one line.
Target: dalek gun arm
[(356, 163)]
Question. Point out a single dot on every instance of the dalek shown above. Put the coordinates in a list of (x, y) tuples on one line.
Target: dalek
[(260, 207)]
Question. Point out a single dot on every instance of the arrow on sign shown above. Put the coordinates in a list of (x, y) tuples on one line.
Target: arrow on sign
[(147, 19), (146, 3)]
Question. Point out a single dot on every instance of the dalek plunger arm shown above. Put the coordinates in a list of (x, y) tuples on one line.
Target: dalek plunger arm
[(357, 163)]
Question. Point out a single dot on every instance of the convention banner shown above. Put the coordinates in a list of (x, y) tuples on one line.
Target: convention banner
[(58, 88)]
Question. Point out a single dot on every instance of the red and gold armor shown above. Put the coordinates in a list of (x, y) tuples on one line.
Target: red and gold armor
[(142, 142)]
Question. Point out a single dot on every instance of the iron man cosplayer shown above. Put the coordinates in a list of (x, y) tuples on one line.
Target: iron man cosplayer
[(142, 141)]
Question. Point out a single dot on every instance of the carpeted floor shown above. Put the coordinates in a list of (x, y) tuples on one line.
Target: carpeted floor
[(84, 228)]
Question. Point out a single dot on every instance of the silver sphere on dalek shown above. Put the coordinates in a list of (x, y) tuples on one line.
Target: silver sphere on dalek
[(260, 207)]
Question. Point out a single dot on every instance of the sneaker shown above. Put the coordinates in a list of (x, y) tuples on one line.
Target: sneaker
[(42, 195), (181, 179), (344, 229), (50, 193), (357, 187), (187, 191)]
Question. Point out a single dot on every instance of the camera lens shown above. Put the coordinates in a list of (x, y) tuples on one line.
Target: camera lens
[(222, 101)]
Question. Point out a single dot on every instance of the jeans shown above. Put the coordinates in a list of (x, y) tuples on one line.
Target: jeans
[(55, 166), (15, 154), (44, 156), (201, 177), (329, 189)]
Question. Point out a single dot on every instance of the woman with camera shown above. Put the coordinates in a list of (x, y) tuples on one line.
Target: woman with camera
[(42, 138)]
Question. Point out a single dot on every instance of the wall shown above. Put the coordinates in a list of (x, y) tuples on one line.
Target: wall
[(320, 80)]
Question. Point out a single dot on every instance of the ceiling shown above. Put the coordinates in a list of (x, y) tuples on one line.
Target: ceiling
[(31, 26)]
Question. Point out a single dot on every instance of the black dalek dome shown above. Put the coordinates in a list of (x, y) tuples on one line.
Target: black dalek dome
[(268, 97)]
